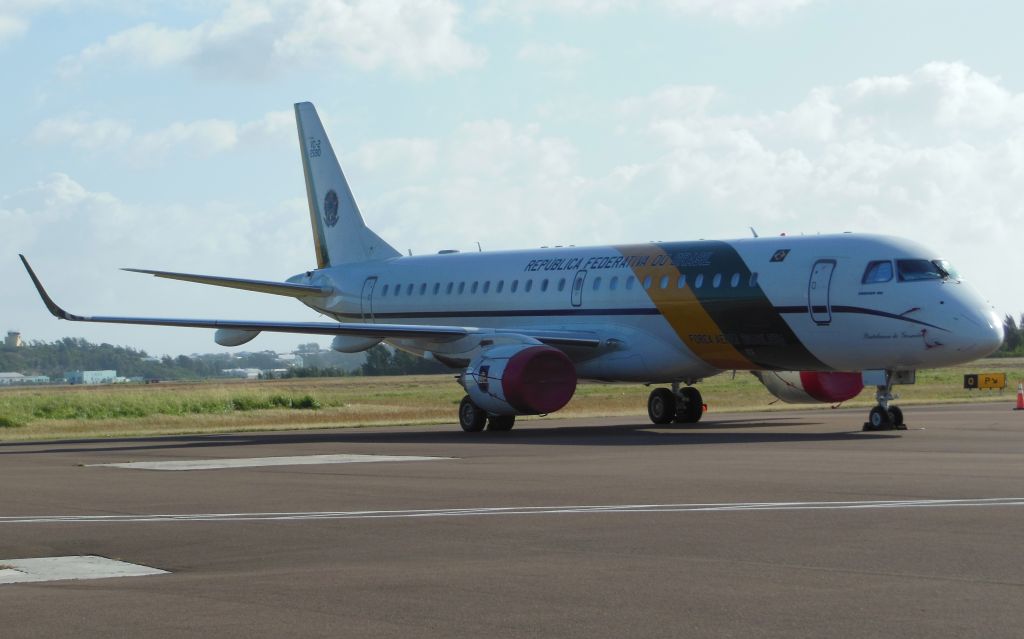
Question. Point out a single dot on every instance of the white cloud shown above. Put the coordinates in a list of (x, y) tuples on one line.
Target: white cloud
[(77, 238), (201, 137), (256, 37), (11, 27), (557, 53), (505, 185), (741, 12), (936, 155)]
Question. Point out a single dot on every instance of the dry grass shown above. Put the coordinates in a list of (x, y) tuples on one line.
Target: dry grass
[(71, 412)]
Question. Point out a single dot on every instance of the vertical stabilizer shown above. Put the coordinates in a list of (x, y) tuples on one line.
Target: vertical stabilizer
[(339, 234)]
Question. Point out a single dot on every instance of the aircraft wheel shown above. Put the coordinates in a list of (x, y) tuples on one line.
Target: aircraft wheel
[(471, 418), (692, 408), (501, 422), (897, 417), (661, 406), (879, 419)]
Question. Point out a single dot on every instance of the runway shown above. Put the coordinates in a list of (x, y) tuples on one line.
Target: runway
[(755, 524)]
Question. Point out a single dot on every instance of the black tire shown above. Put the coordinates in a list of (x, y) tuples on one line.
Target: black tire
[(897, 417), (661, 406), (471, 418), (501, 422), (691, 408), (879, 419)]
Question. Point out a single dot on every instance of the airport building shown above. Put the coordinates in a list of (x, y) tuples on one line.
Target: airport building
[(13, 339), (91, 377), (12, 379)]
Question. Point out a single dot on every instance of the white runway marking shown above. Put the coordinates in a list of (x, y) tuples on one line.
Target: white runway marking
[(252, 462), (523, 510), (16, 571)]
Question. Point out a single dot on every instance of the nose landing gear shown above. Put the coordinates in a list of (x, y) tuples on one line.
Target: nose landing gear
[(886, 416)]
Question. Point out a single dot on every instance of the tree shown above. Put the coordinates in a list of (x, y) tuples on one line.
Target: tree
[(1011, 334)]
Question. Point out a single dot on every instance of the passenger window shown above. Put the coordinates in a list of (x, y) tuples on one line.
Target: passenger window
[(384, 291), (753, 280), (629, 282), (561, 284), (529, 285), (613, 284), (698, 281), (408, 289), (918, 270), (501, 285), (647, 282), (664, 281), (437, 287), (735, 281), (487, 286), (448, 289), (597, 283), (544, 285), (423, 288), (472, 289), (716, 281), (877, 272), (515, 286), (462, 288), (682, 282)]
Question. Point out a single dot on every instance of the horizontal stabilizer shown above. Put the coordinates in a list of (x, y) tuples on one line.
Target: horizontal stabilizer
[(259, 286)]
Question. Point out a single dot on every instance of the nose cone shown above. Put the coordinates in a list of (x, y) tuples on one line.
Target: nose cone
[(981, 333)]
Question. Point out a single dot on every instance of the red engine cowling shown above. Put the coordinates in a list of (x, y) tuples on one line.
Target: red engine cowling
[(810, 387), (519, 379)]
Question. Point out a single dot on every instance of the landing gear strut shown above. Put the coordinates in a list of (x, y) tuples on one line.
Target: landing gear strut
[(885, 416), (680, 405)]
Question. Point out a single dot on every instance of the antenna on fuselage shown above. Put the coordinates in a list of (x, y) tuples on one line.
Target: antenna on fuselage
[(479, 249), (753, 231)]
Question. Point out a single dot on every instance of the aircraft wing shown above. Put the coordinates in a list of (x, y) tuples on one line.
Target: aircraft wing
[(259, 286), (383, 331)]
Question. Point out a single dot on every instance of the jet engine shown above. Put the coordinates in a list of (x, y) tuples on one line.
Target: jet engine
[(519, 379), (811, 387)]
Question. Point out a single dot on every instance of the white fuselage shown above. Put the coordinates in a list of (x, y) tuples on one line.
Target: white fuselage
[(686, 310)]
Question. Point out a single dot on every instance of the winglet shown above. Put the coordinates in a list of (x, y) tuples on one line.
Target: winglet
[(57, 311)]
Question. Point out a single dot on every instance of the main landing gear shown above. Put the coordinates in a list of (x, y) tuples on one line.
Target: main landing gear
[(885, 416), (473, 419), (680, 405)]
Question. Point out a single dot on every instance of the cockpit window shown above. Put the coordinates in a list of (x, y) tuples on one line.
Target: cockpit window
[(948, 269), (877, 272), (919, 270)]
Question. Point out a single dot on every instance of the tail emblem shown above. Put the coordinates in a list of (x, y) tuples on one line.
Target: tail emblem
[(331, 208)]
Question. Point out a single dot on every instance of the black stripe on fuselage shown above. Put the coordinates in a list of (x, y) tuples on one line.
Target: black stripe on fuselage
[(855, 310), (743, 313)]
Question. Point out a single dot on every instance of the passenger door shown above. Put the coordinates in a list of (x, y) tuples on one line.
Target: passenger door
[(818, 288), (366, 301), (577, 288)]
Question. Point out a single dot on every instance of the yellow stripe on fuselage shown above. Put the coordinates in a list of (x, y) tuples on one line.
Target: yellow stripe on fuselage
[(683, 311)]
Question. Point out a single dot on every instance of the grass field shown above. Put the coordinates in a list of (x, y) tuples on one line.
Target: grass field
[(30, 413)]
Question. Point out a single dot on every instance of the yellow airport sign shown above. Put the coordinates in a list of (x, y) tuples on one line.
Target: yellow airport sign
[(990, 381)]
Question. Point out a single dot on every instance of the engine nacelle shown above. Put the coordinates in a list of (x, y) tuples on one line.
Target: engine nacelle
[(353, 343), (811, 387), (520, 379), (233, 336)]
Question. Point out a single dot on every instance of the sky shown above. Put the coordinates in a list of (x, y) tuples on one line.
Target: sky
[(143, 134)]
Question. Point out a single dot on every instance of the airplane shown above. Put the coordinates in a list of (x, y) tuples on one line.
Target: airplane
[(815, 318)]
